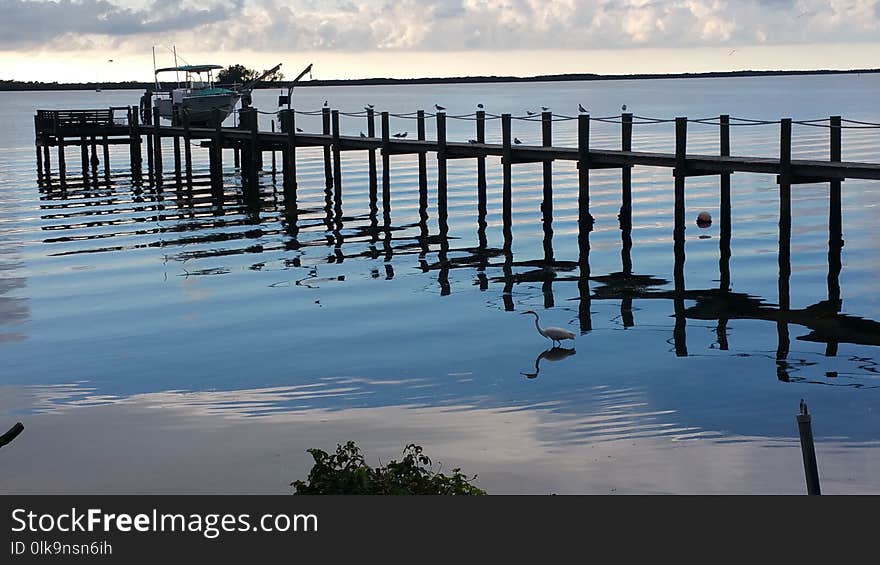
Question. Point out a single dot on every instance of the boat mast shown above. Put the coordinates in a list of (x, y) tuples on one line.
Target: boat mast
[(176, 72), (155, 78)]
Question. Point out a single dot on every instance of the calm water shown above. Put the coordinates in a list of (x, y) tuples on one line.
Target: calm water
[(159, 341)]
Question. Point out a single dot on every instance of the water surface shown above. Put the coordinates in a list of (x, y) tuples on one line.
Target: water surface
[(157, 340)]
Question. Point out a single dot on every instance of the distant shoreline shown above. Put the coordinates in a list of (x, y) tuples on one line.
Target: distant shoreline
[(14, 85)]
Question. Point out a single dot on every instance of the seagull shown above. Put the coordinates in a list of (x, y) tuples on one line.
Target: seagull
[(480, 106), (581, 108), (404, 134), (439, 108), (529, 112), (623, 107), (516, 140), (401, 135), (544, 108), (472, 141), (368, 107), (299, 130), (362, 134), (556, 335), (325, 103)]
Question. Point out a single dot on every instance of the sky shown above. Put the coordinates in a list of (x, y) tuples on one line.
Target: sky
[(108, 40)]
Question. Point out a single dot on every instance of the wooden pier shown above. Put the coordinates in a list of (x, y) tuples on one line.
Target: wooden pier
[(824, 319)]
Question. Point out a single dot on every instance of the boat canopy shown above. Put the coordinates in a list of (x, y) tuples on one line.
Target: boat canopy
[(190, 68)]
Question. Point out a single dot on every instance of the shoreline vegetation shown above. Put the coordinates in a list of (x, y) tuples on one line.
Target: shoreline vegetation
[(16, 85)]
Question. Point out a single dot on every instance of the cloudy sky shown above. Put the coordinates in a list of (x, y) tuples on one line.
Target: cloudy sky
[(73, 39)]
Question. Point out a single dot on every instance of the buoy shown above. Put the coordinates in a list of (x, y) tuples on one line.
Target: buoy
[(704, 219)]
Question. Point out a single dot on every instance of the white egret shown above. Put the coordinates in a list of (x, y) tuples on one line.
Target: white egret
[(556, 335)]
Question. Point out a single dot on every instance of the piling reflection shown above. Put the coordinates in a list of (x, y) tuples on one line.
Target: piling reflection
[(187, 212)]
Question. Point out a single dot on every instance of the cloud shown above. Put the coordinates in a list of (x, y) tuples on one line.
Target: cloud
[(435, 25)]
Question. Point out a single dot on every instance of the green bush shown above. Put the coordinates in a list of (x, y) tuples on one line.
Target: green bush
[(346, 472)]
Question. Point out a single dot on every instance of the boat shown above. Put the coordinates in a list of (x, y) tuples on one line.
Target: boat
[(197, 97)]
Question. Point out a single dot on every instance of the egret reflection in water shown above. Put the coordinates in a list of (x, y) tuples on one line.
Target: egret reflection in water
[(552, 354)]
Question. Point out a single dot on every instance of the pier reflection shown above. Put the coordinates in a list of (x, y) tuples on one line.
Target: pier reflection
[(180, 215)]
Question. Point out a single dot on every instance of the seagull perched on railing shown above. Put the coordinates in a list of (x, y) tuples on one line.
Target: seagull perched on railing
[(362, 134), (400, 134), (480, 106), (439, 108), (623, 107), (368, 107), (472, 141), (529, 112), (581, 108), (516, 140), (544, 108), (325, 104), (299, 130)]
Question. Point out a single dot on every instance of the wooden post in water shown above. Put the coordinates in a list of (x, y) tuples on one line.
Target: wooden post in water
[(47, 164), (134, 145), (626, 128), (441, 171), (337, 153), (506, 163), (157, 148), (585, 223), (216, 158), (84, 159), (784, 179), (62, 165), (386, 166), (105, 145), (808, 450), (328, 167), (177, 162), (187, 149), (725, 228), (288, 157), (481, 169), (274, 164), (38, 137), (423, 172), (835, 226), (371, 154), (547, 201), (679, 331)]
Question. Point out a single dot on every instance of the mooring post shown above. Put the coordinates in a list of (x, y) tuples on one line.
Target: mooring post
[(84, 159), (784, 213), (506, 162), (423, 171), (105, 145), (288, 157), (157, 147), (547, 200), (441, 169), (38, 136), (177, 162), (134, 145), (215, 155), (386, 165), (808, 449), (62, 164), (725, 228), (187, 149), (274, 165), (328, 168), (47, 164), (371, 154), (680, 172), (481, 169), (626, 128), (585, 224), (835, 224), (337, 153), (148, 122)]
